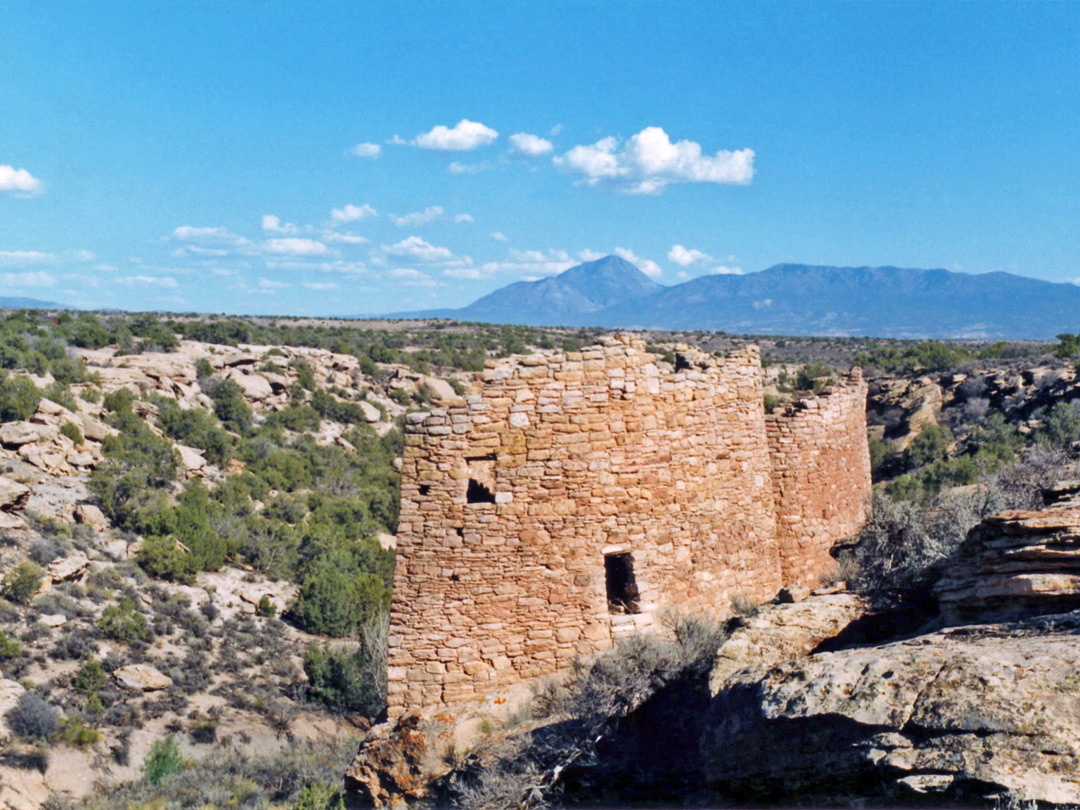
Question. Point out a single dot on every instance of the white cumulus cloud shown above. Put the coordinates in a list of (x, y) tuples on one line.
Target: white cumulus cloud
[(294, 246), (19, 182), (649, 161), (646, 266), (530, 145), (320, 286), (499, 236), (212, 238), (462, 137), (590, 255), (685, 257), (268, 286), (416, 248), (417, 218), (352, 213), (464, 219), (366, 150)]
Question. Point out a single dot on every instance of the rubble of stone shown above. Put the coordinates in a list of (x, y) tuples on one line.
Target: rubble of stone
[(518, 499)]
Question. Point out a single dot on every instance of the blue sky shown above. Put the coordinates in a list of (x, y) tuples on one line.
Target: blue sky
[(348, 158)]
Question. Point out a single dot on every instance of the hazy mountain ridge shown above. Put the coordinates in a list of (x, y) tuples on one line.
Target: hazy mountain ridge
[(789, 299), (9, 302)]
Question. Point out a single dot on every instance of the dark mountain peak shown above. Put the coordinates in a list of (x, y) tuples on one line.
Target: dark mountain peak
[(608, 280)]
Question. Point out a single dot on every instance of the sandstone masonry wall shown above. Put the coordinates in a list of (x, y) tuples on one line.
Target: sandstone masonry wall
[(820, 475), (516, 500)]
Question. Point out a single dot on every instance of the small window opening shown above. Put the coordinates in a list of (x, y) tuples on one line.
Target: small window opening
[(425, 489), (622, 589), (681, 363), (454, 578), (481, 479), (478, 493)]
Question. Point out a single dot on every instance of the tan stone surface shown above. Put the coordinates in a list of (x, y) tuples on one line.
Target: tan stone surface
[(142, 677), (595, 452)]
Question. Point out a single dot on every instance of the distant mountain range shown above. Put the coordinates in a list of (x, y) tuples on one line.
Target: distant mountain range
[(30, 303), (788, 299)]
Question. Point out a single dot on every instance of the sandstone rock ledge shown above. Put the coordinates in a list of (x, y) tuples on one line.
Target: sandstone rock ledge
[(967, 712)]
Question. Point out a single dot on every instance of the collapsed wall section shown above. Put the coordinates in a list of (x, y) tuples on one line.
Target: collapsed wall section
[(821, 476), (565, 500)]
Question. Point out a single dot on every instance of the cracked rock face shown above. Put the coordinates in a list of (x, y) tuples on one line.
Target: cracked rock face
[(968, 711)]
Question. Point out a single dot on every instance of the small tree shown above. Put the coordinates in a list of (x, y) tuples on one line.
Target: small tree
[(162, 760), (22, 582)]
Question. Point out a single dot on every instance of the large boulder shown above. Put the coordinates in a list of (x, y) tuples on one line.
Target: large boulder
[(967, 712), (783, 632), (70, 567), (90, 515), (142, 678)]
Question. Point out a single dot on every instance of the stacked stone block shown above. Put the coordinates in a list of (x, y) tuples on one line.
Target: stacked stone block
[(821, 476), (512, 497)]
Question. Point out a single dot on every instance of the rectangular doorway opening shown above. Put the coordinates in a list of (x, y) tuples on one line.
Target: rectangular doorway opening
[(622, 589)]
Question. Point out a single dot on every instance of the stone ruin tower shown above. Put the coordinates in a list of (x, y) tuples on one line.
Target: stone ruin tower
[(569, 496)]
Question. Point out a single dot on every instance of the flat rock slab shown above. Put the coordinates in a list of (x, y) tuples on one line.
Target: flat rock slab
[(142, 677)]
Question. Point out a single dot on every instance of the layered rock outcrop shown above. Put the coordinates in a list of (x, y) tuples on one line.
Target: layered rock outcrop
[(1015, 563)]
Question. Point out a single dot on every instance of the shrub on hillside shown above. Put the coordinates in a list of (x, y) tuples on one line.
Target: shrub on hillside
[(22, 582), (19, 398), (33, 718), (123, 622), (163, 759), (335, 599)]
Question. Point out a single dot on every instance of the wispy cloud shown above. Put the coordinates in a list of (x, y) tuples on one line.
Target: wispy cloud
[(20, 257), (531, 263), (366, 150), (27, 280), (416, 248), (499, 236), (19, 182), (418, 218), (648, 162), (410, 277), (167, 282), (320, 286), (352, 213)]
